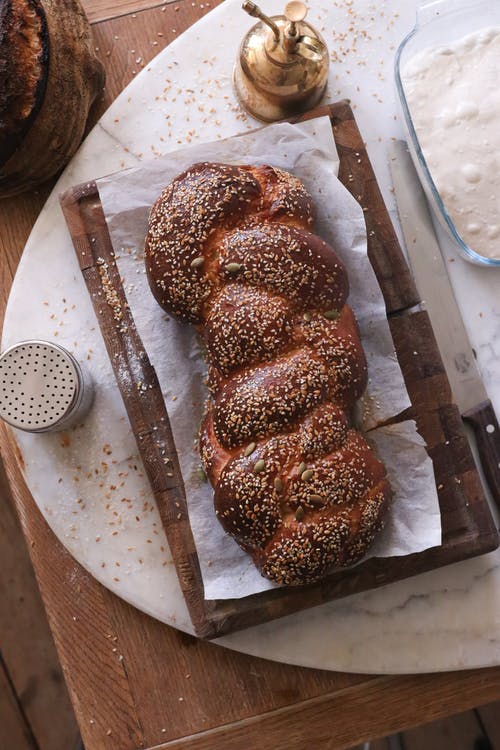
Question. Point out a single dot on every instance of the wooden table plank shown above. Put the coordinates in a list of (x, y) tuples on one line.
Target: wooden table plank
[(249, 685), (489, 718), (82, 630), (14, 728), (105, 10), (127, 702), (26, 642), (461, 732), (127, 44), (382, 706)]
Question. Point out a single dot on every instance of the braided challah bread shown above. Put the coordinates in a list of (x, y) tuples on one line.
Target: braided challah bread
[(229, 248)]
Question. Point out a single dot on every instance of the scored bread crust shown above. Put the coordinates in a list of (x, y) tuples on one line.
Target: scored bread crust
[(231, 250), (24, 55), (49, 78)]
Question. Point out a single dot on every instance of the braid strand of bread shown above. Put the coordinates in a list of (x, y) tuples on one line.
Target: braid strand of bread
[(230, 249)]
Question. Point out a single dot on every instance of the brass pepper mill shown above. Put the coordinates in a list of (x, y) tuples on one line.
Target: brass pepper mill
[(282, 67)]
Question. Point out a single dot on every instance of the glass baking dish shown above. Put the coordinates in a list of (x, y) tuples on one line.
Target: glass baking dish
[(441, 22)]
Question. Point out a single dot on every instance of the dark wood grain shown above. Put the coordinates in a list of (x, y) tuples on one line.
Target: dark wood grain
[(120, 663), (356, 172), (26, 644), (85, 638), (484, 422), (468, 528), (489, 718), (14, 726), (462, 732), (105, 10), (140, 389), (287, 728)]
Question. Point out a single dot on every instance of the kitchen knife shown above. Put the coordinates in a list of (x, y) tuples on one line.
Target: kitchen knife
[(436, 292)]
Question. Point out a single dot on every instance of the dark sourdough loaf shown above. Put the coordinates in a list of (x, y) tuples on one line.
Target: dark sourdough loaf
[(230, 249), (49, 77), (24, 53)]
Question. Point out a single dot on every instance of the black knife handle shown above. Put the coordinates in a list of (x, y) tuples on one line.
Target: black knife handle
[(483, 420)]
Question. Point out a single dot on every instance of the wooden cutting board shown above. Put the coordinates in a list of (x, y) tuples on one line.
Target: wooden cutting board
[(467, 525)]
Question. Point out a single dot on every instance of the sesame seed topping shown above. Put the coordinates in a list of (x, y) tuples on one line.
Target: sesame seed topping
[(231, 249)]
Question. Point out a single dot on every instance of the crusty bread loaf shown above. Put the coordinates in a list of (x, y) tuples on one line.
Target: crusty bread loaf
[(49, 77), (230, 249)]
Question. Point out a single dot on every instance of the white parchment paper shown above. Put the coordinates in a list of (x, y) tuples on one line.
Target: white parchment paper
[(308, 150)]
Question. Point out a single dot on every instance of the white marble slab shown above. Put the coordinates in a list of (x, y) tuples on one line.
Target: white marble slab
[(92, 487)]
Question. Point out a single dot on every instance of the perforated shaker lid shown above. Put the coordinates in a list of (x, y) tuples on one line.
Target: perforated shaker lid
[(39, 385)]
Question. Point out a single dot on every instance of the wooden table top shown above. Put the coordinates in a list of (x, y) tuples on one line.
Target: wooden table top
[(136, 683)]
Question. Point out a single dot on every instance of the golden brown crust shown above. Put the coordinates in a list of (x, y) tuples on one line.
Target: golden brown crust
[(230, 249), (307, 550), (246, 325), (285, 260), (322, 482), (196, 212), (24, 53)]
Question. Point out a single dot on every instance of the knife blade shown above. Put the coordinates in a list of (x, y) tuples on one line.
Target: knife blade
[(438, 298)]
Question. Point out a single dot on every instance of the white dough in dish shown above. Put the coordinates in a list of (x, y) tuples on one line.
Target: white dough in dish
[(453, 93)]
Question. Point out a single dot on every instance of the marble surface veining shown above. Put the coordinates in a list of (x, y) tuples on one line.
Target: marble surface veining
[(95, 498)]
